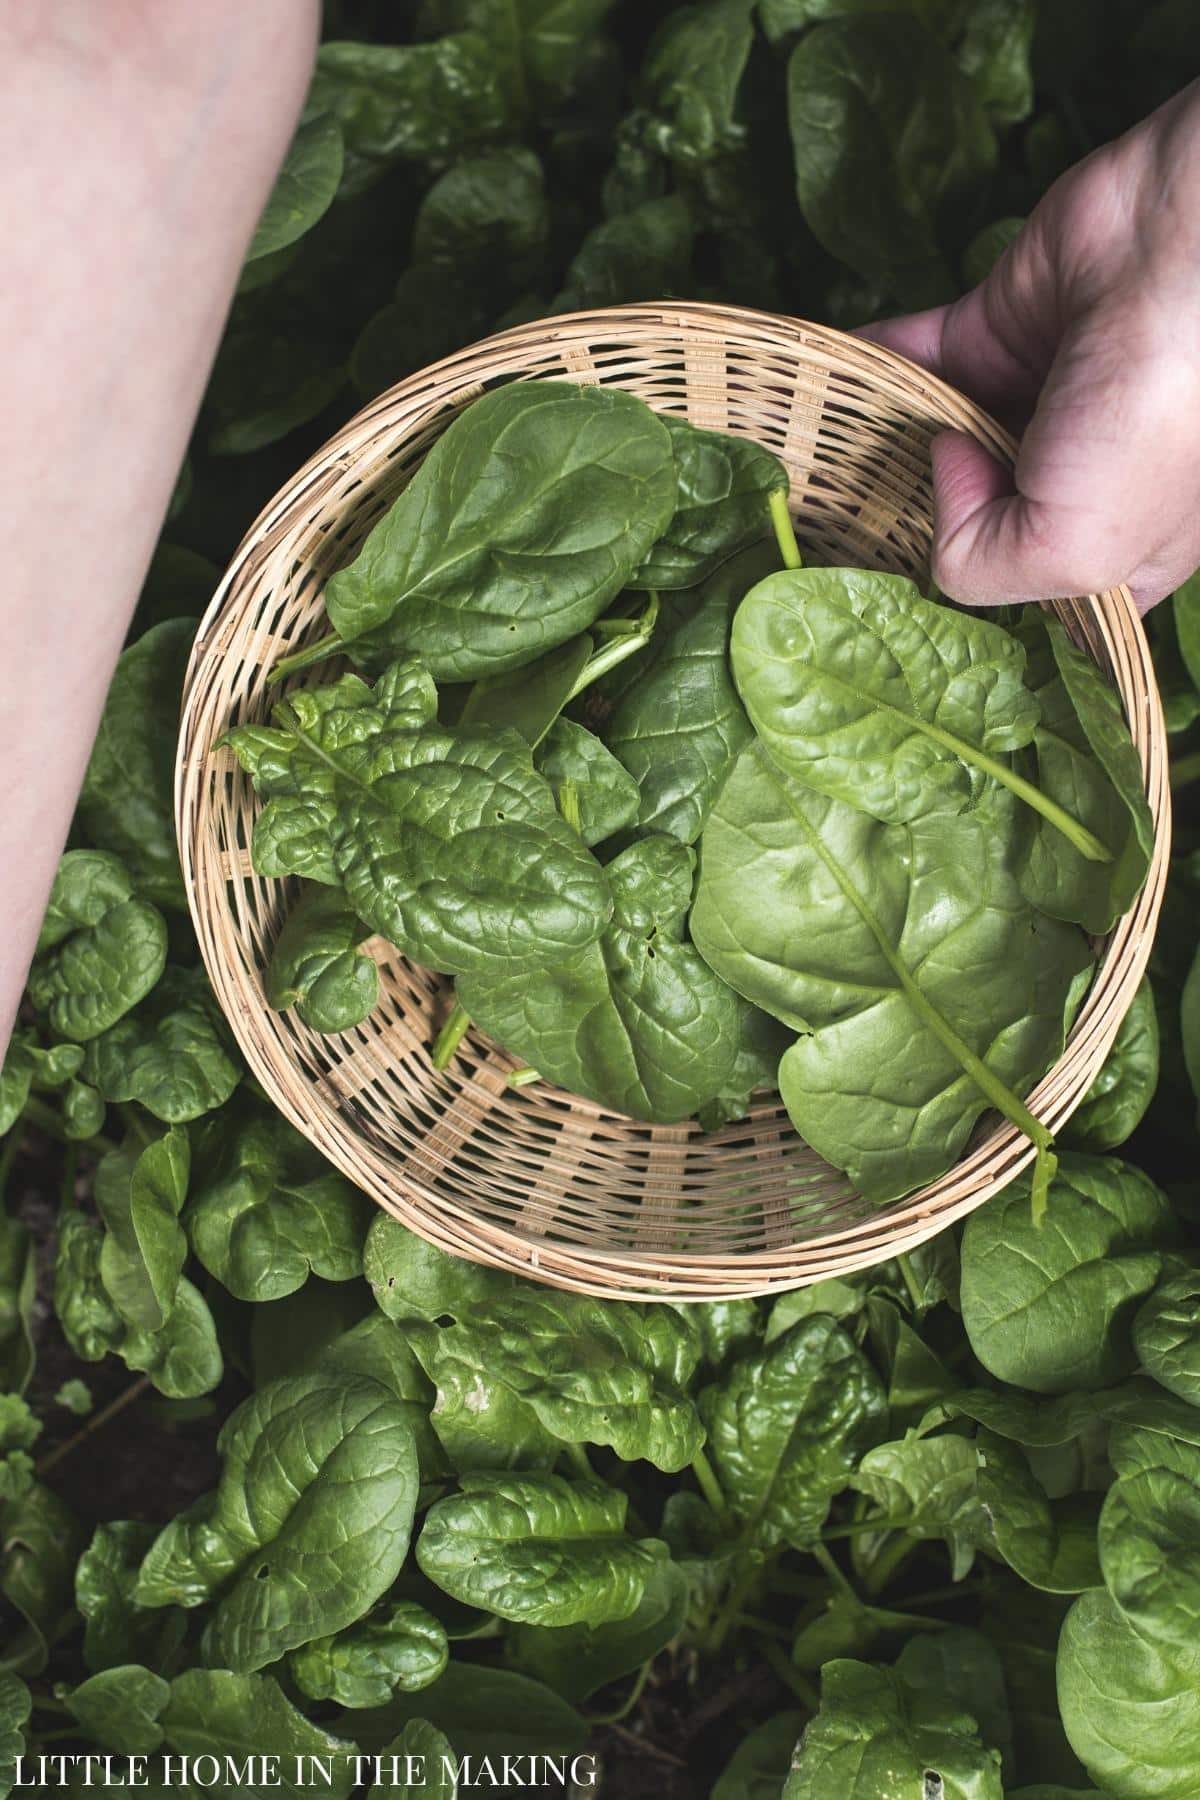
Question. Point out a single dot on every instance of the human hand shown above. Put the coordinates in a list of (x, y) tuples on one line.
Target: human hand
[(1085, 341)]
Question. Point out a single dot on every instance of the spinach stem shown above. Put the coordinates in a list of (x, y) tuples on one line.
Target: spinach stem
[(985, 1079), (450, 1036), (835, 1572), (790, 1676), (1045, 1168), (861, 1528), (618, 649), (910, 1280), (785, 531), (888, 1561), (628, 1704), (577, 1456), (568, 804), (320, 651), (524, 1077), (8, 1155), (731, 1611), (709, 1486), (1085, 841)]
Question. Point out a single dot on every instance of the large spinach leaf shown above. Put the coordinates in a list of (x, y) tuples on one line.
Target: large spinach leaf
[(1131, 1707), (863, 689), (527, 517), (884, 127), (309, 1525), (787, 1425), (874, 1734), (537, 1548), (1148, 1535), (638, 1021), (268, 1210), (1052, 1308), (924, 987)]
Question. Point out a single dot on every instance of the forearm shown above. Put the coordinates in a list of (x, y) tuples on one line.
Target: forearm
[(138, 142)]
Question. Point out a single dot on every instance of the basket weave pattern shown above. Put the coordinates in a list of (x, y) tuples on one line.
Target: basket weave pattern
[(534, 1179)]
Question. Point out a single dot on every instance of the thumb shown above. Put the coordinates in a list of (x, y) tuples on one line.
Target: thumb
[(989, 541)]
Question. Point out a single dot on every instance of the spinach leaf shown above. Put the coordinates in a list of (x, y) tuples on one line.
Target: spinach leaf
[(638, 1021), (1147, 1535), (928, 1486), (866, 691), (678, 724), (484, 1712), (119, 1708), (1116, 1102), (961, 1664), (527, 517), (127, 801), (537, 1548), (308, 1527), (115, 1627), (759, 1766), (723, 504), (691, 75), (539, 46), (924, 987), (319, 967), (761, 1041), (304, 188), (407, 100), (589, 1372), (576, 1660), (100, 950), (884, 128), (15, 1707), (1166, 1335), (1131, 1708), (268, 1210), (874, 1734), (183, 1356), (401, 1649), (425, 1753), (528, 700), (225, 1713), (447, 843), (140, 1191), (645, 250), (171, 1055), (605, 792), (1052, 1308), (1085, 762), (786, 1426)]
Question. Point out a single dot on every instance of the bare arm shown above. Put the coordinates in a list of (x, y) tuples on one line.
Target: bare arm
[(138, 142), (1085, 338)]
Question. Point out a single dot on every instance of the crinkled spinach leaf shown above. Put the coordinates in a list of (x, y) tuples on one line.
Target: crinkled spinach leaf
[(637, 1021)]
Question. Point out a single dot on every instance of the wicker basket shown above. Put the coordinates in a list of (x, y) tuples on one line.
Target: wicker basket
[(534, 1179)]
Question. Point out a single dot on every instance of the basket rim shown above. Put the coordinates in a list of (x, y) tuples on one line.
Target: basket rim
[(903, 1224)]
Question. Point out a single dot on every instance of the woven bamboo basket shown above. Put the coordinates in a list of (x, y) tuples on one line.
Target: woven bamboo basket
[(533, 1179)]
